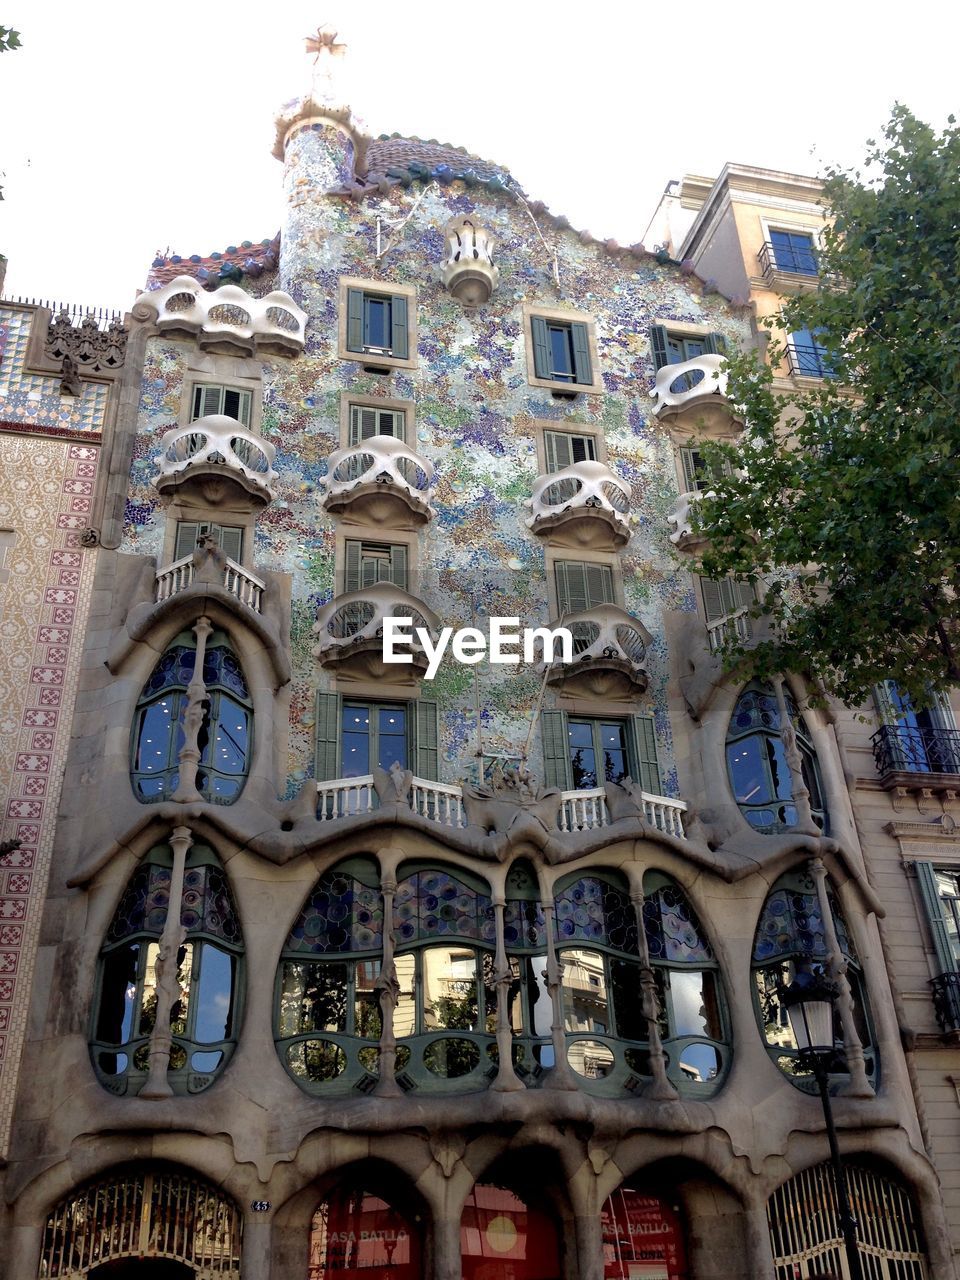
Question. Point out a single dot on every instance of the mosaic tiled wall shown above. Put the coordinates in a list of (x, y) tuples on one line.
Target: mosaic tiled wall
[(473, 416), (30, 399)]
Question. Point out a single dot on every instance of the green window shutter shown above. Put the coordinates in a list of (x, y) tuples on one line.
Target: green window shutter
[(398, 565), (645, 743), (691, 473), (714, 603), (582, 369), (391, 423), (541, 347), (883, 696), (557, 451), (599, 580), (583, 449), (351, 566), (187, 531), (715, 344), (363, 423), (571, 586), (231, 542), (556, 750), (426, 745), (399, 336), (354, 319), (930, 895), (658, 346), (328, 736)]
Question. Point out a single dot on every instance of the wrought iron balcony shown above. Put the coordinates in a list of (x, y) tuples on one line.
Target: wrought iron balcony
[(697, 382), (903, 749), (946, 1002), (350, 631), (216, 447), (807, 360), (228, 320), (609, 654), (381, 481), (798, 263), (584, 505)]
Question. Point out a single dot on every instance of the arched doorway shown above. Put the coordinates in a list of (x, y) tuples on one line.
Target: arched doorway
[(504, 1238), (643, 1238), (353, 1230)]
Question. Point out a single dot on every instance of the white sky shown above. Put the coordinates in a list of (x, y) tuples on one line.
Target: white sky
[(131, 127)]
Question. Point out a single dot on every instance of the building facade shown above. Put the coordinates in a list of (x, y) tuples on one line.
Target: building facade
[(440, 967)]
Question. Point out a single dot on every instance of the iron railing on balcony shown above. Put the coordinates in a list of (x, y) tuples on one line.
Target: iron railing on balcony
[(946, 1001), (808, 360), (794, 260), (901, 748)]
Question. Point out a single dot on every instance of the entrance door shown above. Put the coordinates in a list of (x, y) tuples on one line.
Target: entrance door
[(502, 1238), (142, 1269)]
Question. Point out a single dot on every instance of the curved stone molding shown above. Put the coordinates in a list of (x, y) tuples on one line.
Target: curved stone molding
[(350, 631), (609, 654), (696, 383), (380, 481), (228, 320), (584, 505), (469, 271), (216, 446)]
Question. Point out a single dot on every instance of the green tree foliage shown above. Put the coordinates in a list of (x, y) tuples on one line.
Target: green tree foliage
[(9, 39), (845, 509)]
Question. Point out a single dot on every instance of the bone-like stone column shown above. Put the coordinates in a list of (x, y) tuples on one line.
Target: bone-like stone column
[(788, 736), (193, 715), (507, 1080), (659, 1088), (388, 985), (161, 1039), (560, 1077), (859, 1086)]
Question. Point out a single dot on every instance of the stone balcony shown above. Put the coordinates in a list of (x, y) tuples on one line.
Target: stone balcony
[(917, 760), (381, 481), (695, 389), (228, 320), (584, 505), (350, 633), (609, 655), (183, 573), (684, 536), (213, 449)]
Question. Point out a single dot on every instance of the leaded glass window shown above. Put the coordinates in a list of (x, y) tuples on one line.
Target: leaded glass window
[(205, 1015), (225, 738)]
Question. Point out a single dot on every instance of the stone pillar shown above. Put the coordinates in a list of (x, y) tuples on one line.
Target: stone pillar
[(193, 717), (659, 1088), (256, 1252), (161, 1040), (589, 1247), (389, 987), (23, 1259), (446, 1249), (507, 1080), (756, 1237), (788, 736), (560, 1077), (859, 1086)]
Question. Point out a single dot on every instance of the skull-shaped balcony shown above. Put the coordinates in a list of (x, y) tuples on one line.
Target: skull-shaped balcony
[(695, 390), (609, 655), (211, 453), (685, 535), (381, 481), (228, 320), (350, 634), (584, 506)]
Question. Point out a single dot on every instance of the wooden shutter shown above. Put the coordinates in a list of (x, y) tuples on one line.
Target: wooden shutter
[(557, 450), (599, 578), (744, 592), (399, 336), (692, 475), (658, 346), (328, 736), (231, 541), (645, 740), (541, 347), (425, 721), (363, 423), (398, 565), (582, 369), (351, 566), (236, 404), (186, 544), (354, 319), (715, 344), (583, 448), (930, 896), (556, 750), (391, 422), (714, 603), (571, 586)]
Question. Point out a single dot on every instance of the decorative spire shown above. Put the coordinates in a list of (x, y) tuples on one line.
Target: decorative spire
[(326, 73)]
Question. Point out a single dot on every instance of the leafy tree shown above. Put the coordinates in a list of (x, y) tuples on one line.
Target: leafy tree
[(9, 39), (843, 505)]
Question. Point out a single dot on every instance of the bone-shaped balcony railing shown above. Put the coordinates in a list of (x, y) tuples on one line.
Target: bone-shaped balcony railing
[(605, 634), (583, 488), (215, 442), (687, 383), (684, 536), (381, 464), (355, 621), (273, 324)]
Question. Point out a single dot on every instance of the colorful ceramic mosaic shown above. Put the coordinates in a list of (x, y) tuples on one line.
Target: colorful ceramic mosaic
[(672, 928), (341, 914), (596, 911), (791, 924), (28, 399), (435, 904)]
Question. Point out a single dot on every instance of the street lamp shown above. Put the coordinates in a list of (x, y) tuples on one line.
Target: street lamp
[(809, 1002)]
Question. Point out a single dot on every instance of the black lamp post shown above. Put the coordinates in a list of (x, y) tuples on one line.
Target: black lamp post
[(809, 1002)]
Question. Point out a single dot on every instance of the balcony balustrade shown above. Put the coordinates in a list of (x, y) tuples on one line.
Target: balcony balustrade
[(584, 505), (697, 383), (216, 447), (784, 265), (609, 654), (240, 582), (350, 631), (737, 626), (905, 749), (946, 1002), (228, 320), (381, 481)]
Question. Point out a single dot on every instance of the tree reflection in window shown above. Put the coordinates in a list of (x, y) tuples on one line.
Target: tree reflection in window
[(757, 762), (204, 1017), (791, 937), (225, 734)]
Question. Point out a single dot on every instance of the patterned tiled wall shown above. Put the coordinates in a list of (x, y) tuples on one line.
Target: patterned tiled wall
[(46, 490), (34, 400), (474, 410)]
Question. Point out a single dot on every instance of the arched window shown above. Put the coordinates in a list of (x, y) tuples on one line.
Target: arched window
[(642, 1235), (757, 762), (328, 1007), (790, 937), (504, 1238), (446, 1015), (146, 1215), (354, 1231), (204, 1018), (225, 736), (692, 1023)]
